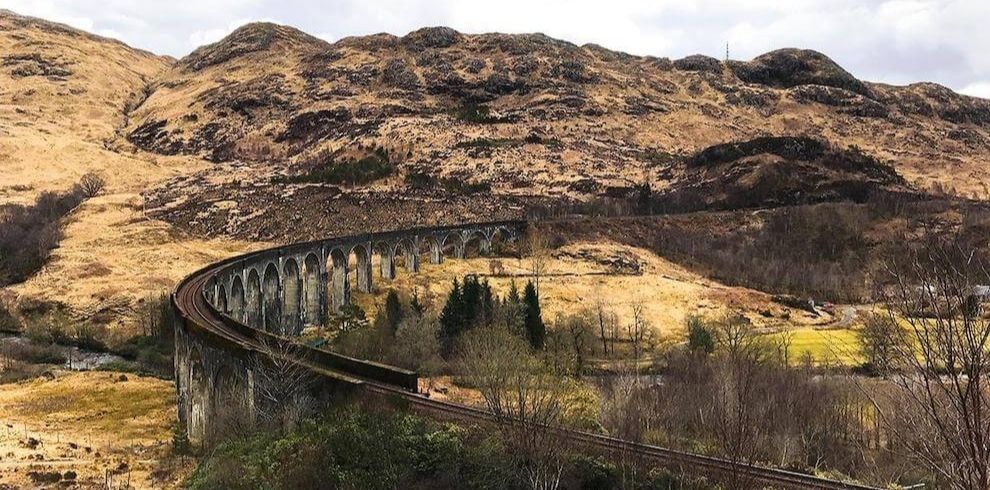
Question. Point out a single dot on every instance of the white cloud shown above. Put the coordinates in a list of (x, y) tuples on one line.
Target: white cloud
[(977, 89), (897, 41)]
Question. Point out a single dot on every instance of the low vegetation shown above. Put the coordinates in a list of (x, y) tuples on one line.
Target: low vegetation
[(45, 338), (327, 170), (28, 234), (825, 252), (450, 185), (353, 447)]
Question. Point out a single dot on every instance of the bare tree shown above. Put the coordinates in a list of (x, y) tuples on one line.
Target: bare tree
[(607, 323), (600, 317), (784, 341), (736, 337), (524, 397), (282, 384), (878, 342), (640, 330), (625, 411), (579, 329), (939, 407), (91, 185), (539, 255), (416, 346)]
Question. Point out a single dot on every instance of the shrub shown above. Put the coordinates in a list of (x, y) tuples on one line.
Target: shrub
[(33, 353), (700, 337), (91, 185), (349, 172), (89, 336), (476, 113), (352, 448), (420, 180), (487, 143), (595, 474), (453, 185), (52, 328), (29, 233), (147, 354), (8, 322)]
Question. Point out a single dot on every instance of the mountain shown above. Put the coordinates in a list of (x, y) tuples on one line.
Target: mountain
[(273, 135), (64, 95), (533, 115), (65, 98)]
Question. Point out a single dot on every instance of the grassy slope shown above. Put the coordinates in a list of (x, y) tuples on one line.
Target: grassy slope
[(86, 422), (55, 129)]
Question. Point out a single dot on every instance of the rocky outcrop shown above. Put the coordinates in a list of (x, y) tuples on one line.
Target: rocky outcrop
[(700, 63), (786, 68), (779, 171), (250, 38)]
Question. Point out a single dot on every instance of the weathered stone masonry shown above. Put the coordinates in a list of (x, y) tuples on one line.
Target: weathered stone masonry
[(282, 290)]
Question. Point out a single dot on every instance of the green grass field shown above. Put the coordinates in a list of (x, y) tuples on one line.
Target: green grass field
[(827, 347)]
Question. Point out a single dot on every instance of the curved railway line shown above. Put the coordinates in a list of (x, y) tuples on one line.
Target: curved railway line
[(201, 318)]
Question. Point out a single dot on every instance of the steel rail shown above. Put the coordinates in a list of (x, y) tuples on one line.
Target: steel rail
[(196, 312)]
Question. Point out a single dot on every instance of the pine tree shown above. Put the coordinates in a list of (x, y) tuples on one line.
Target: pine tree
[(488, 303), (536, 331), (451, 320), (415, 305), (513, 296), (471, 301), (392, 311)]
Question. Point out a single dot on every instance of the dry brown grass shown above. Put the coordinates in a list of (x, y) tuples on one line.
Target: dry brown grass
[(575, 278), (88, 422)]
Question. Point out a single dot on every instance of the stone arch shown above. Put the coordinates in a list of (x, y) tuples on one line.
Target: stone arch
[(292, 292), (386, 259), (252, 307), (311, 290), (431, 247), (453, 245), (500, 238), (272, 305), (235, 304), (211, 291), (410, 253), (476, 243), (221, 300), (338, 273), (359, 260), (197, 398), (229, 402)]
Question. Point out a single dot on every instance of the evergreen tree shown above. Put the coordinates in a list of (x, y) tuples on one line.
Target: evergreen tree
[(487, 306), (392, 311), (415, 305), (451, 320), (536, 331), (513, 296), (471, 297), (700, 338)]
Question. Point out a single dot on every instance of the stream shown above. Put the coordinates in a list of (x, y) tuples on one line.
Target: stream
[(77, 359)]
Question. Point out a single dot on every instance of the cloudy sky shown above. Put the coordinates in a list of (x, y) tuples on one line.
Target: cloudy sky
[(895, 41)]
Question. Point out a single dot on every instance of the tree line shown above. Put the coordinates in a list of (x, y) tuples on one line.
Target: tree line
[(29, 233)]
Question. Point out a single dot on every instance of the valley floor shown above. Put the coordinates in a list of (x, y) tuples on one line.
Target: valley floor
[(91, 427)]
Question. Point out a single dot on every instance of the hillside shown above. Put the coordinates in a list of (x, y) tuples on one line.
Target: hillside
[(532, 115), (65, 97), (273, 135)]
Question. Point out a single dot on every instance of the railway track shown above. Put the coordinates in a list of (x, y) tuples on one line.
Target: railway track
[(193, 307)]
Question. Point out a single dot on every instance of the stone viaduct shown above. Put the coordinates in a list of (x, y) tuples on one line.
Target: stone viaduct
[(229, 309)]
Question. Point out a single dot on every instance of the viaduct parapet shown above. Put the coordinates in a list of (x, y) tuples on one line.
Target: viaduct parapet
[(233, 312)]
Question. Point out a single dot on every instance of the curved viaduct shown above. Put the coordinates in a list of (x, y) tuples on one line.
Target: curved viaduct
[(233, 312)]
